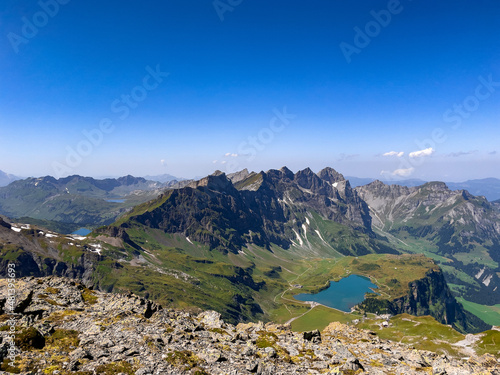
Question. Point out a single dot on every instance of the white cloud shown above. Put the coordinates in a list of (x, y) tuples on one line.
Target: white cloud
[(223, 162), (229, 154), (402, 172), (215, 162), (421, 153), (162, 162), (394, 153)]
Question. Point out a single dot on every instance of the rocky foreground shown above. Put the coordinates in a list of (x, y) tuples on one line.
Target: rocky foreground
[(64, 328)]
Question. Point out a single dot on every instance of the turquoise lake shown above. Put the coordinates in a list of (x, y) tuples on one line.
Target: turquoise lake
[(82, 232), (342, 294)]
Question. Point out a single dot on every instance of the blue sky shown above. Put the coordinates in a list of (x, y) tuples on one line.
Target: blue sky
[(392, 89)]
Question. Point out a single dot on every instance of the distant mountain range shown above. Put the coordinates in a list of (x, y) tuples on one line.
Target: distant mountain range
[(75, 199), (6, 178), (164, 178), (357, 181), (487, 187)]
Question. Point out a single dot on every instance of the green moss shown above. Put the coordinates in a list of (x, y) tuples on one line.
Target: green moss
[(115, 368), (183, 358), (63, 339), (89, 296), (29, 339), (219, 330), (266, 339), (5, 366), (48, 300)]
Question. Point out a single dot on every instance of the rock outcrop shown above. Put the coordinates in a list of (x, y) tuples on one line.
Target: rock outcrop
[(65, 328)]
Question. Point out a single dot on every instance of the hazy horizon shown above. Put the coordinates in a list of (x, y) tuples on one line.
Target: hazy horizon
[(196, 177)]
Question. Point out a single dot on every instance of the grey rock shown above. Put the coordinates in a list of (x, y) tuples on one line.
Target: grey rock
[(314, 336), (252, 366), (175, 342), (270, 352), (352, 364)]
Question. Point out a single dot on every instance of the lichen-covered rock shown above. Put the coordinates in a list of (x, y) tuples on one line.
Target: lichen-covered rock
[(70, 329)]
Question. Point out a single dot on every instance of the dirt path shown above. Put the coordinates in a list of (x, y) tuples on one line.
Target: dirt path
[(465, 344)]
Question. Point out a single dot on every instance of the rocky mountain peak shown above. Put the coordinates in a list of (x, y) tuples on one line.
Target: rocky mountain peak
[(238, 176), (330, 175), (307, 179), (217, 181), (435, 186), (287, 172), (379, 190)]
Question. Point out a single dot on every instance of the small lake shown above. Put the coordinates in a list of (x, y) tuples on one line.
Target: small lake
[(82, 232), (342, 294), (115, 200)]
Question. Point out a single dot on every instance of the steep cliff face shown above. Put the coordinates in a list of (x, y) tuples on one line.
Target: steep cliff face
[(431, 296), (31, 264)]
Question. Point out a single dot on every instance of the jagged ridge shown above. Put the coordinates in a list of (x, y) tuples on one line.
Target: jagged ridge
[(261, 208)]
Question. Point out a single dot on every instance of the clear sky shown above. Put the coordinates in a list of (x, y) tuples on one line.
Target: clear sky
[(399, 89)]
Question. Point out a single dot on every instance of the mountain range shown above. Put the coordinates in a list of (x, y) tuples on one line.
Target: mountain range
[(239, 243), (76, 201), (487, 187), (164, 178)]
